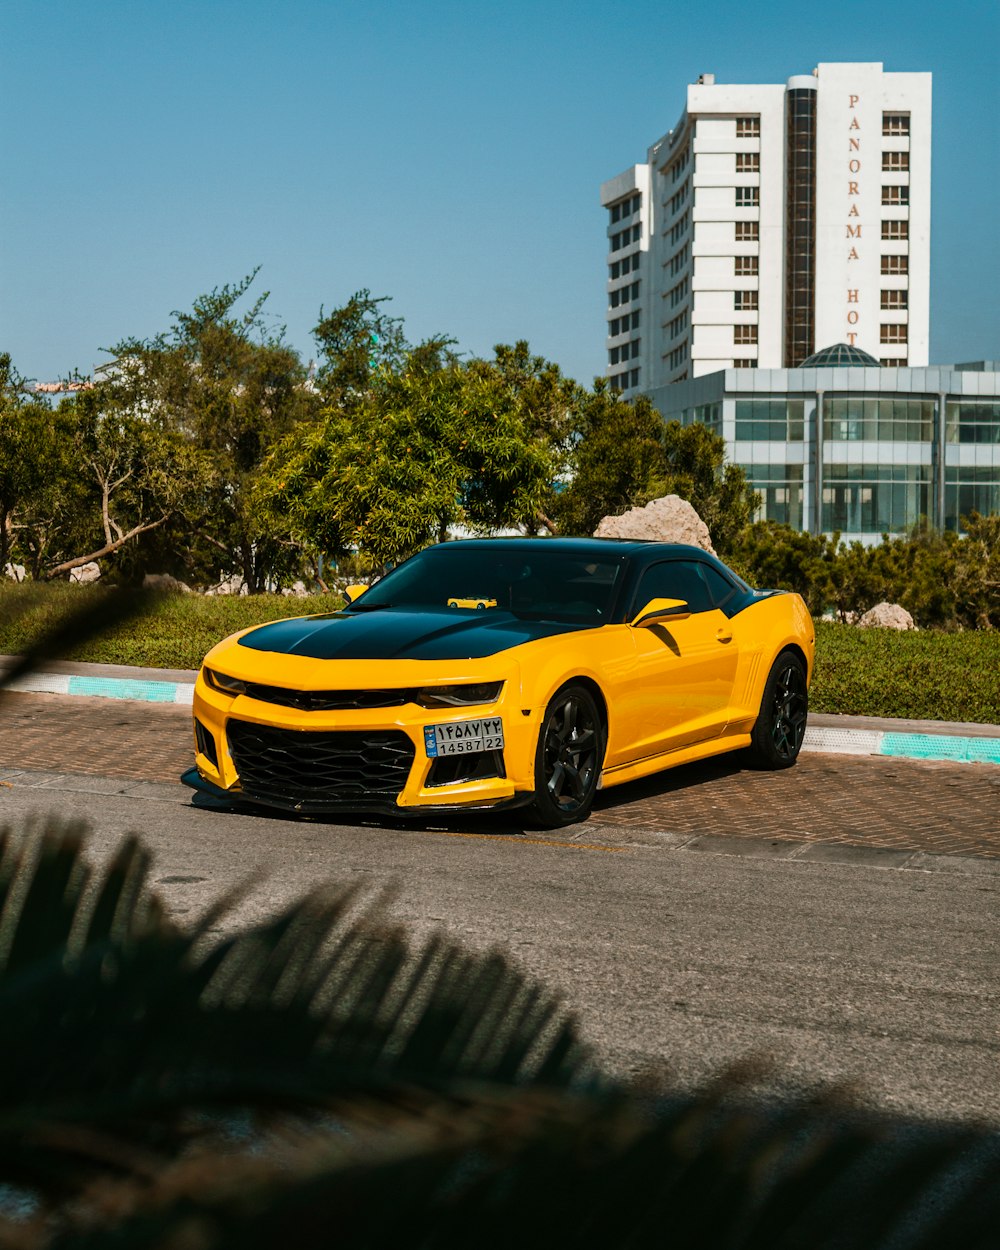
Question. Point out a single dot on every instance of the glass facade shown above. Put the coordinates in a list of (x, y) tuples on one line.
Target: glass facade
[(800, 237), (891, 420), (973, 421), (707, 414), (970, 490), (875, 498), (780, 490), (769, 419)]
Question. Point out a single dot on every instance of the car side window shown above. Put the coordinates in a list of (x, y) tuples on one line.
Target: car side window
[(678, 579)]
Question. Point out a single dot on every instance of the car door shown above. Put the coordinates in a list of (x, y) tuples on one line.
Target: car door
[(681, 685)]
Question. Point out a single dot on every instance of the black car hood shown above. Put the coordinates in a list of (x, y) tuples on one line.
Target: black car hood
[(398, 634)]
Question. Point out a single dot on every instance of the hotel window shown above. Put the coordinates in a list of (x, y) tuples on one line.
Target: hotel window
[(769, 420), (875, 498), (613, 355), (895, 160), (635, 320), (747, 266), (744, 334), (895, 264), (747, 127), (626, 209), (635, 291), (895, 195), (615, 299), (973, 421), (895, 229), (634, 379), (615, 270), (748, 162), (678, 325), (747, 197), (747, 231), (748, 363), (678, 293), (616, 212), (893, 362), (888, 420), (745, 301), (968, 490), (895, 299), (677, 200), (892, 333), (895, 123), (636, 202)]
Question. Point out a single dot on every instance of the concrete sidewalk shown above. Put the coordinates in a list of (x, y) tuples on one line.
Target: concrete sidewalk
[(848, 735)]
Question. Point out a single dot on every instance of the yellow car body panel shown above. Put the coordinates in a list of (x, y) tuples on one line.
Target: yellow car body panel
[(668, 693)]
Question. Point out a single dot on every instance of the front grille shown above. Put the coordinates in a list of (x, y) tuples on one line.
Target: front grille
[(318, 771), (328, 700)]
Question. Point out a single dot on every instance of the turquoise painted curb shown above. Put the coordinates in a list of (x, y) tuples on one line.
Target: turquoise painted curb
[(941, 747), (124, 688)]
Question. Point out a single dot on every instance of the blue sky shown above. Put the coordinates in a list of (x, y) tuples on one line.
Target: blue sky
[(446, 154)]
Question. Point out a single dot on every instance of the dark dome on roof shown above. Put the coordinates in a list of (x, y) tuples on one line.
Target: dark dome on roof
[(839, 354)]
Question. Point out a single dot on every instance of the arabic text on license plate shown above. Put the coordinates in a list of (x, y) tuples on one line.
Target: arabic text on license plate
[(464, 736)]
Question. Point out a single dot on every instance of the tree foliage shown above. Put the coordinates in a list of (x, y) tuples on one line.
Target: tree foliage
[(436, 445), (626, 456)]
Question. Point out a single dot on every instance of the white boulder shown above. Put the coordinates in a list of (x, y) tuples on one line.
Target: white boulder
[(886, 616), (234, 585), (164, 581), (297, 590), (667, 520), (84, 574), (14, 571)]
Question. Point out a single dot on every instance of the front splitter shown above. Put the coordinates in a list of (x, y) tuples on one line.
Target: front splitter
[(323, 807)]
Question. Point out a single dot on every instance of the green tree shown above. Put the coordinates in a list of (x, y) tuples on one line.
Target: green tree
[(424, 450), (30, 453), (625, 456), (231, 387), (355, 341), (616, 463)]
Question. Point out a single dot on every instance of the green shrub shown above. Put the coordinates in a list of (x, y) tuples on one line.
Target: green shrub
[(920, 675)]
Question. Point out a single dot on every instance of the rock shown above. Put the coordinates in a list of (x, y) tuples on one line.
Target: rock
[(297, 590), (234, 585), (164, 581), (14, 571), (85, 573), (667, 520), (887, 616)]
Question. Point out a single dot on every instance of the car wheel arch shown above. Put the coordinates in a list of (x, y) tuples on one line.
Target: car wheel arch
[(593, 688)]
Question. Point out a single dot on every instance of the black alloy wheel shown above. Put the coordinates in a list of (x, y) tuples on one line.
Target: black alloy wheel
[(568, 758), (781, 725)]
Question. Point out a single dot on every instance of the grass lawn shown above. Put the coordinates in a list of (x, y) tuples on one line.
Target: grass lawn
[(865, 672)]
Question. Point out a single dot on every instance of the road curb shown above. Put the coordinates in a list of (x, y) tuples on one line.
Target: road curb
[(951, 743)]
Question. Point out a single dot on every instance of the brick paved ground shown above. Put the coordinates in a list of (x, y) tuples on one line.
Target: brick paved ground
[(880, 802)]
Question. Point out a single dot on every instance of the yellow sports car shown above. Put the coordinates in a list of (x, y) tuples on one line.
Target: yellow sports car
[(499, 672)]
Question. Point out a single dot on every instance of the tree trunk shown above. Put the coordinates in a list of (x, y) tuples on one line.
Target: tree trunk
[(107, 550)]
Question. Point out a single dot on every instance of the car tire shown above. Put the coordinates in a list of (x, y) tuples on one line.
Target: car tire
[(776, 738), (568, 758)]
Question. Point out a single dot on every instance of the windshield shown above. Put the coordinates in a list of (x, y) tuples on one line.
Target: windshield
[(529, 581)]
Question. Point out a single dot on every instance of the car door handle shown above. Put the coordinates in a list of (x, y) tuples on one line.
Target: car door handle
[(724, 635)]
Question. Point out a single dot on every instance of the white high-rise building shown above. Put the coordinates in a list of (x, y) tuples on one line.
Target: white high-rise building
[(771, 222)]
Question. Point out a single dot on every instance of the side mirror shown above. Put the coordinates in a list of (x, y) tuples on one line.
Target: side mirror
[(661, 612), (353, 593)]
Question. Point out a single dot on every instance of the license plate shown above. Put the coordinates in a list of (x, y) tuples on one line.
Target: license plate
[(462, 737)]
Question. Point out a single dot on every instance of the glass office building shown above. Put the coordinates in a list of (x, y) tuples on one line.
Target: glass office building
[(842, 444)]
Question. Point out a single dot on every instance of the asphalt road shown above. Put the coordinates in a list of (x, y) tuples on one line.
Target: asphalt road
[(676, 955)]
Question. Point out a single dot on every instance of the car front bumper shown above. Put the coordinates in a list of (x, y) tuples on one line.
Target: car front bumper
[(396, 776)]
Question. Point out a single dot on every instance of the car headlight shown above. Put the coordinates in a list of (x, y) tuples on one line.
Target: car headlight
[(228, 685), (459, 696)]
